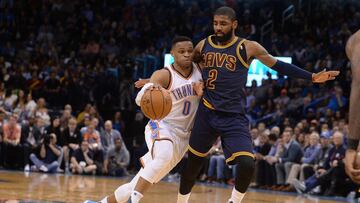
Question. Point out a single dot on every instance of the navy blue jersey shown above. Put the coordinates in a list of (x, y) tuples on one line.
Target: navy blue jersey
[(225, 73)]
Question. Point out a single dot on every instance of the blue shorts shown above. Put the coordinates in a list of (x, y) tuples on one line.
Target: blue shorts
[(233, 129)]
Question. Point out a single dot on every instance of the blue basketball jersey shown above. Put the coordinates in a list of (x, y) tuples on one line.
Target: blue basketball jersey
[(225, 73)]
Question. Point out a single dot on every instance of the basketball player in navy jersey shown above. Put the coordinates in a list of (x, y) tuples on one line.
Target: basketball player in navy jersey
[(224, 59), (352, 52)]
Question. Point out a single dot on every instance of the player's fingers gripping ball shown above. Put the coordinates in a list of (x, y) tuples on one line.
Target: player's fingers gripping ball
[(156, 103)]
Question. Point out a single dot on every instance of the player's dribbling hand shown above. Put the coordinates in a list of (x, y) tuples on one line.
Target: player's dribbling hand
[(141, 82), (324, 76), (353, 173), (198, 88)]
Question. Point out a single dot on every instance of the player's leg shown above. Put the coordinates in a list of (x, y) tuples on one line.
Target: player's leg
[(122, 193), (237, 146), (201, 140), (162, 156)]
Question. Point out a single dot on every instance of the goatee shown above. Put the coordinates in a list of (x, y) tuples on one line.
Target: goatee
[(226, 37)]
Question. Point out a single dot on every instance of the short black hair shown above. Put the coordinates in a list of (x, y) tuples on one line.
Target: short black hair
[(180, 38), (226, 11), (273, 137)]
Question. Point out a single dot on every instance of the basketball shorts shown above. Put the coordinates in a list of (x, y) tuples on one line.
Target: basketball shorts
[(233, 129), (155, 132)]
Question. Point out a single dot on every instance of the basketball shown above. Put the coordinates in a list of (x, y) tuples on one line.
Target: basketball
[(156, 103)]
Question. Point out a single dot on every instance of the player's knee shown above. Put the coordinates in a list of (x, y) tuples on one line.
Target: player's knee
[(245, 165), (244, 172), (164, 152)]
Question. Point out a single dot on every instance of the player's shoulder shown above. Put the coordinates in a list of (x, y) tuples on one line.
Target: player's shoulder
[(352, 43), (251, 43), (162, 76)]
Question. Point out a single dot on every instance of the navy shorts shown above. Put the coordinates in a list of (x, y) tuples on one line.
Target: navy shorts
[(233, 129)]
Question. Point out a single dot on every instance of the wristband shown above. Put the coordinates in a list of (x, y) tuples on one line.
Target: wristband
[(141, 92)]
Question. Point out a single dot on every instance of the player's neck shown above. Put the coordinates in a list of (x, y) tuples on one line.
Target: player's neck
[(227, 42), (183, 70)]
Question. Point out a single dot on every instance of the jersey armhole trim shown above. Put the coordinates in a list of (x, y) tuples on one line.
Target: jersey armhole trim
[(240, 46), (170, 79)]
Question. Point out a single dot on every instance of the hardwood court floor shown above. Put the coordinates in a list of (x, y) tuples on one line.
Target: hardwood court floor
[(37, 187)]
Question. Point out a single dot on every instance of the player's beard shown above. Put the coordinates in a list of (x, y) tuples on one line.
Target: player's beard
[(226, 37)]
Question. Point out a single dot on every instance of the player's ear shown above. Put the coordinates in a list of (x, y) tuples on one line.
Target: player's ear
[(234, 24)]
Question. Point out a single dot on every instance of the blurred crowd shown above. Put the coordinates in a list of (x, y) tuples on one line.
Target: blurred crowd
[(67, 93)]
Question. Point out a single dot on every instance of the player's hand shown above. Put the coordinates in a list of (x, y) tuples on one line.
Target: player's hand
[(141, 82), (198, 88), (353, 173), (324, 76)]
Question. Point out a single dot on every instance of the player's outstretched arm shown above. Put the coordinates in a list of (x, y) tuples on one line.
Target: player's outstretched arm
[(160, 78), (255, 50)]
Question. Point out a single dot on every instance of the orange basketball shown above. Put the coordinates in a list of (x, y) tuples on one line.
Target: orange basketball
[(156, 103)]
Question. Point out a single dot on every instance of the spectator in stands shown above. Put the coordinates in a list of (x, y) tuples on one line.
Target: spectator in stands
[(263, 149), (216, 163), (72, 140), (82, 160), (42, 112), (311, 157), (292, 154), (117, 159), (332, 176), (338, 101), (50, 155), (108, 136), (118, 123), (55, 128), (11, 147), (30, 140)]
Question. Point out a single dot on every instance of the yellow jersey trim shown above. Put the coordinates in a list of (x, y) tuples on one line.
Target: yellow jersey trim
[(239, 55), (221, 46), (207, 104), (199, 154), (236, 154)]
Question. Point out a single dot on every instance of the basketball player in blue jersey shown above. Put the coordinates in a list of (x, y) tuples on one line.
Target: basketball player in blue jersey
[(224, 59)]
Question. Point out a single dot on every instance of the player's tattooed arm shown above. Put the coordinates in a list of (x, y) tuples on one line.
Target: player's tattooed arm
[(160, 78), (197, 52)]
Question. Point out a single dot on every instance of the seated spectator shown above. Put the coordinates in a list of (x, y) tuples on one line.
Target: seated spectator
[(11, 147), (216, 163), (55, 128), (82, 160), (262, 167), (117, 159), (108, 136), (311, 156), (292, 154), (50, 155), (30, 140), (92, 136), (72, 140), (331, 177)]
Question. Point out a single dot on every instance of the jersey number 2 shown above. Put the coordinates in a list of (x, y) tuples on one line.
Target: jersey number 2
[(186, 109), (211, 79)]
